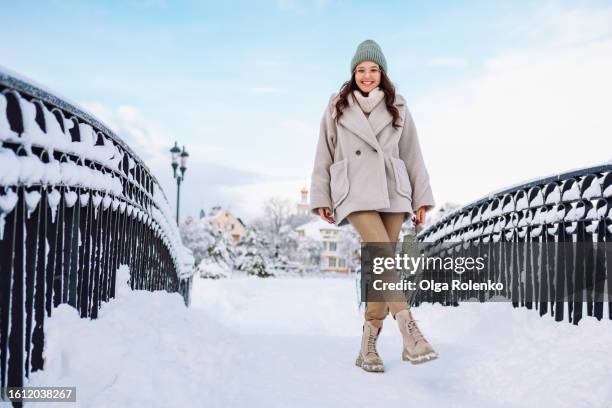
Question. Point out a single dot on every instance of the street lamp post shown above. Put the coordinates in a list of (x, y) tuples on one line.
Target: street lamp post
[(178, 158)]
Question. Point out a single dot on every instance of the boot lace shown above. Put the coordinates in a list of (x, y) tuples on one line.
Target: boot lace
[(413, 329), (372, 344)]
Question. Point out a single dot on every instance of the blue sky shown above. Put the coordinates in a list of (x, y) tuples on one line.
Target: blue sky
[(243, 84)]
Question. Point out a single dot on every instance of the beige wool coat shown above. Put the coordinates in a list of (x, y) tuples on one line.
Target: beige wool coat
[(365, 164)]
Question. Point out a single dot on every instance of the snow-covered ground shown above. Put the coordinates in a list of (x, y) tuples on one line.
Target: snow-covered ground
[(292, 342)]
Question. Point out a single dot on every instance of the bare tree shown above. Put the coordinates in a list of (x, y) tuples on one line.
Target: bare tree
[(276, 213)]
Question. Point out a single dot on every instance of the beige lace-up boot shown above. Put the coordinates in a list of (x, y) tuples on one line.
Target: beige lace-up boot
[(368, 357), (417, 349)]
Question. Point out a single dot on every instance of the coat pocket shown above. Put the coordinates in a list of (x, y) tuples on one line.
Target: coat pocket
[(339, 182), (402, 179)]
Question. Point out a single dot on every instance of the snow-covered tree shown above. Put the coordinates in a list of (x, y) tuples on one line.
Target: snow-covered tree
[(212, 249), (251, 256), (196, 238), (210, 269), (221, 248)]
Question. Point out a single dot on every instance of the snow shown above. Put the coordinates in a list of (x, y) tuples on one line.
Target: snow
[(251, 342), (70, 197), (608, 191), (53, 198), (5, 128), (553, 196), (106, 201), (32, 198), (593, 190), (30, 170), (572, 194), (9, 167), (215, 270), (7, 203)]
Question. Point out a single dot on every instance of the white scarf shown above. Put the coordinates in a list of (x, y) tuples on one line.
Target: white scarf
[(367, 103)]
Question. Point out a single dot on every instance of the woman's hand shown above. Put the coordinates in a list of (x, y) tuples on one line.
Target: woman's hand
[(420, 216), (326, 215)]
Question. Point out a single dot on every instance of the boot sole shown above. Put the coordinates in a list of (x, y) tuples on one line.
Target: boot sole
[(371, 368), (420, 359)]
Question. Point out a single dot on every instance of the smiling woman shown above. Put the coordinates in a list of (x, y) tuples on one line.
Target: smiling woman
[(369, 171)]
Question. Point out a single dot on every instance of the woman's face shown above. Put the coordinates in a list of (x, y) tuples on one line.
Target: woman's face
[(367, 76)]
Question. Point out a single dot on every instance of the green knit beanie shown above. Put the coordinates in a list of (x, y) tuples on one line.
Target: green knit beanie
[(369, 51)]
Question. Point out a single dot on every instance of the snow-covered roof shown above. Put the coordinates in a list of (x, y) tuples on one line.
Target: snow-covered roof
[(313, 229)]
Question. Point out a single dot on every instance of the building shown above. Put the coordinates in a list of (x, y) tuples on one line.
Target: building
[(303, 207), (226, 222), (328, 234)]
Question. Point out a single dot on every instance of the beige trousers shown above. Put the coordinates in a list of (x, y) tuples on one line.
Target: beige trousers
[(374, 226)]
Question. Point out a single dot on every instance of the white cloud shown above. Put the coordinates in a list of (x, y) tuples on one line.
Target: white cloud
[(534, 111), (557, 26), (146, 137), (300, 128), (248, 200)]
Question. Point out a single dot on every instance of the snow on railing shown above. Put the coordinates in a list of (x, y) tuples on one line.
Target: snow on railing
[(524, 199), (75, 203), (572, 207)]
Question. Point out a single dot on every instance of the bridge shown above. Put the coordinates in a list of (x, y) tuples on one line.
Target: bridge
[(75, 203)]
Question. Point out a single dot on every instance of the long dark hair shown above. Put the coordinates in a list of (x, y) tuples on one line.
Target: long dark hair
[(385, 85)]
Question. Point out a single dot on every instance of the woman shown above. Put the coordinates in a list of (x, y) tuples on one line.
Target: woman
[(369, 172)]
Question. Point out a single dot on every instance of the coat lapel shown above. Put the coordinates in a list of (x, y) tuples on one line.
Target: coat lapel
[(355, 120), (380, 116)]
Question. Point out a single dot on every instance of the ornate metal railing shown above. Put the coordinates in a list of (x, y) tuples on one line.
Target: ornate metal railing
[(573, 207), (75, 203)]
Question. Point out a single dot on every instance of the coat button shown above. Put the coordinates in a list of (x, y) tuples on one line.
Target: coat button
[(375, 151), (358, 152)]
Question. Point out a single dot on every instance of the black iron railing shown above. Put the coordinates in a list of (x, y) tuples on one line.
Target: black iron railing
[(553, 212), (75, 203)]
